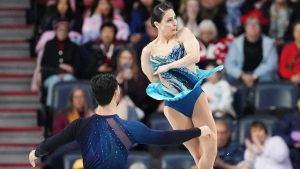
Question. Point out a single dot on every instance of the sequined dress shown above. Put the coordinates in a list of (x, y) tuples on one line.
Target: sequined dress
[(105, 141), (182, 79)]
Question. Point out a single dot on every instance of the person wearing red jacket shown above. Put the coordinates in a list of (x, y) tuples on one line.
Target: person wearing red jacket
[(289, 64)]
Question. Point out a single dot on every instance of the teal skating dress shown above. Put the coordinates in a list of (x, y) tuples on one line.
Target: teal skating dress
[(186, 82)]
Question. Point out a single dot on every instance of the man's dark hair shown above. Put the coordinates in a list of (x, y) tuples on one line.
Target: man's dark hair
[(258, 124), (159, 11), (104, 87)]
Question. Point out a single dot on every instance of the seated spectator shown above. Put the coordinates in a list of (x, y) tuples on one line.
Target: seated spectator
[(294, 17), (289, 129), (211, 49), (60, 10), (150, 35), (130, 77), (78, 164), (230, 152), (219, 92), (102, 12), (252, 56), (189, 16), (78, 107), (266, 152), (40, 47), (214, 10), (279, 20), (139, 15), (60, 61), (289, 63), (127, 110), (100, 55), (137, 165), (232, 20)]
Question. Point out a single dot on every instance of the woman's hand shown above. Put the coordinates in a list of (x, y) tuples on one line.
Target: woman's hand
[(162, 69)]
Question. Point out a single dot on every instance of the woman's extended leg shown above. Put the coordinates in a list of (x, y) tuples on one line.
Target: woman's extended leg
[(202, 116), (180, 122)]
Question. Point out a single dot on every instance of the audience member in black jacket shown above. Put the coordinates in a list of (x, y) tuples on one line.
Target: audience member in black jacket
[(61, 59), (100, 56)]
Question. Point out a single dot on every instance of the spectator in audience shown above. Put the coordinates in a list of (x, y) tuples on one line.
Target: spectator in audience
[(60, 10), (230, 152), (139, 16), (127, 110), (78, 107), (211, 49), (100, 55), (279, 20), (151, 34), (137, 165), (289, 63), (252, 56), (232, 20), (189, 16), (266, 152), (129, 76), (102, 12), (214, 10), (60, 61), (219, 93), (289, 129), (294, 17)]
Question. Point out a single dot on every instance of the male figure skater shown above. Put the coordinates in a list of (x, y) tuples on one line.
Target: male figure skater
[(105, 139)]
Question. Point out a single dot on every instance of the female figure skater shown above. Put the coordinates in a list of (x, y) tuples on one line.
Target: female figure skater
[(169, 63)]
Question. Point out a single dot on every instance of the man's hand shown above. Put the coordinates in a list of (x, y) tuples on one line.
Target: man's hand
[(32, 158), (205, 131)]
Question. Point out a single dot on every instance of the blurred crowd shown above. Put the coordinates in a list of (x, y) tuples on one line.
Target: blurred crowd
[(258, 41)]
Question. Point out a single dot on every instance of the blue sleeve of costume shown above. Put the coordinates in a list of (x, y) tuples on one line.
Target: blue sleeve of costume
[(144, 135), (50, 144)]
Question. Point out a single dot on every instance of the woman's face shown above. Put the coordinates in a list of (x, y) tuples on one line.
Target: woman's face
[(259, 134), (107, 35), (206, 35), (61, 33), (62, 7), (147, 3), (252, 27), (78, 99), (104, 7), (215, 77), (168, 24), (192, 8), (209, 4), (297, 33), (126, 58)]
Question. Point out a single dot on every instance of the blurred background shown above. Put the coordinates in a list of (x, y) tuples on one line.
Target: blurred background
[(49, 50)]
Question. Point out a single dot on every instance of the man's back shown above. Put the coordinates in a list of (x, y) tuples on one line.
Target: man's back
[(106, 140)]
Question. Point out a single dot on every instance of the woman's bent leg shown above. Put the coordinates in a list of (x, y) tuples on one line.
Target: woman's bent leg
[(202, 115)]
